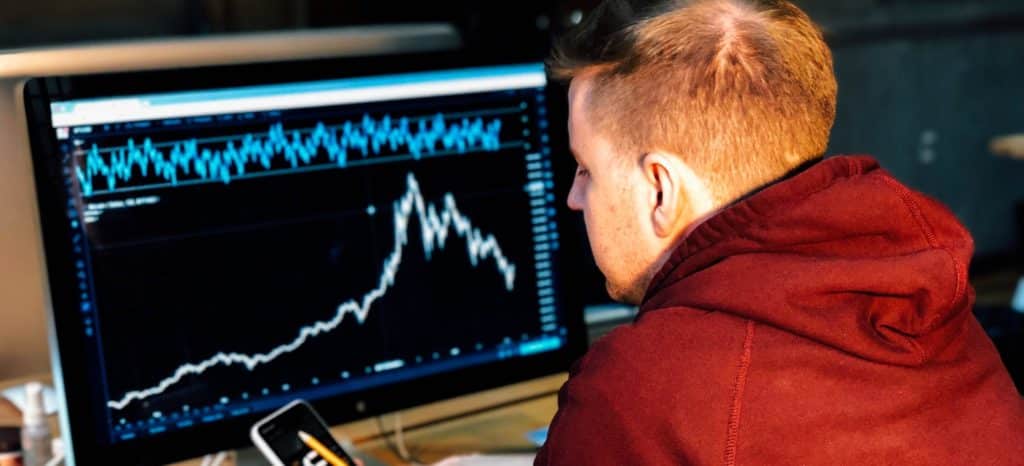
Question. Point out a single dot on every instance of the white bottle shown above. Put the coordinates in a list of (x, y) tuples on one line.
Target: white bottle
[(35, 430)]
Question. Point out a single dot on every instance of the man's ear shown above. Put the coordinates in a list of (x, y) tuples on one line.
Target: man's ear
[(678, 196)]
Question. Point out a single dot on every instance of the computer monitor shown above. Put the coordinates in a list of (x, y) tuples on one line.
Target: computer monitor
[(365, 233)]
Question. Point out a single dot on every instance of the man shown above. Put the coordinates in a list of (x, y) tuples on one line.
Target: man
[(793, 310)]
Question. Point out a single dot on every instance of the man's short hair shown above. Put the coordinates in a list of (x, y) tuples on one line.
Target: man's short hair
[(744, 90)]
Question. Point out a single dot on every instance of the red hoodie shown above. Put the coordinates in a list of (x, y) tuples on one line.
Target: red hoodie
[(824, 320)]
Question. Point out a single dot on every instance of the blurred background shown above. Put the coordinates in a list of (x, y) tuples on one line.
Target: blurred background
[(925, 86)]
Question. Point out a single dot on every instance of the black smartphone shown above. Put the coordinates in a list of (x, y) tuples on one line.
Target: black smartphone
[(277, 437)]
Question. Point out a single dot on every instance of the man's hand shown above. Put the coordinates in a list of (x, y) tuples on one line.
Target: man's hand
[(1010, 146)]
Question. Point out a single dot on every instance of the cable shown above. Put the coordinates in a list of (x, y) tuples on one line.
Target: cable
[(57, 449), (214, 460), (400, 436), (397, 447), (219, 459)]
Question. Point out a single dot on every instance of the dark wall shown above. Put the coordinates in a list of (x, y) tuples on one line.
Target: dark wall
[(45, 22), (28, 23)]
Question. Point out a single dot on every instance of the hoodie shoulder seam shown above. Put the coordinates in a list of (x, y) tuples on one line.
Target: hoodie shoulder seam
[(915, 211), (732, 434)]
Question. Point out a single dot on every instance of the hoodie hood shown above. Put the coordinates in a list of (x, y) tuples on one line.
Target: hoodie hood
[(842, 254)]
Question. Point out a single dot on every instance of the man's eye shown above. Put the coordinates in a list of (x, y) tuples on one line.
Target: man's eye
[(580, 171)]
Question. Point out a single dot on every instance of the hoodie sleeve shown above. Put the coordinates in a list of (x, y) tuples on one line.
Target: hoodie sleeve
[(601, 421)]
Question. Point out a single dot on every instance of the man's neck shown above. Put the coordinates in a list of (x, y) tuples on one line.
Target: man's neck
[(671, 249)]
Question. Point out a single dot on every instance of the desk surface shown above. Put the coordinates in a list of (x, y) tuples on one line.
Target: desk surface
[(498, 431), (501, 430)]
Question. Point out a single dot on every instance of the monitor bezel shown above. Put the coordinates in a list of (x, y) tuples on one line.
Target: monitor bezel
[(67, 335)]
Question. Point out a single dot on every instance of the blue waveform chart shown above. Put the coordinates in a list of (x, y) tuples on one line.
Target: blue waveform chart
[(147, 164)]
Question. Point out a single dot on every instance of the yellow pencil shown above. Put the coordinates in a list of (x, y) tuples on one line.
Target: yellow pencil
[(321, 450)]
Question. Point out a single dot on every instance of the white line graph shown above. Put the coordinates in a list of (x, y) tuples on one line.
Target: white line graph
[(435, 227)]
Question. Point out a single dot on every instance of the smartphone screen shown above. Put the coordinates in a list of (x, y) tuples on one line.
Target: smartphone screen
[(280, 434)]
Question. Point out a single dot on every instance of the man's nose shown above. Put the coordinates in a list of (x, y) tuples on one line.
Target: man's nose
[(575, 200)]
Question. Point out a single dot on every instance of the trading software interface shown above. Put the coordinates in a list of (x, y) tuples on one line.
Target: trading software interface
[(239, 248)]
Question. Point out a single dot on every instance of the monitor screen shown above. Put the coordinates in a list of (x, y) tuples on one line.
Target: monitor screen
[(227, 250)]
